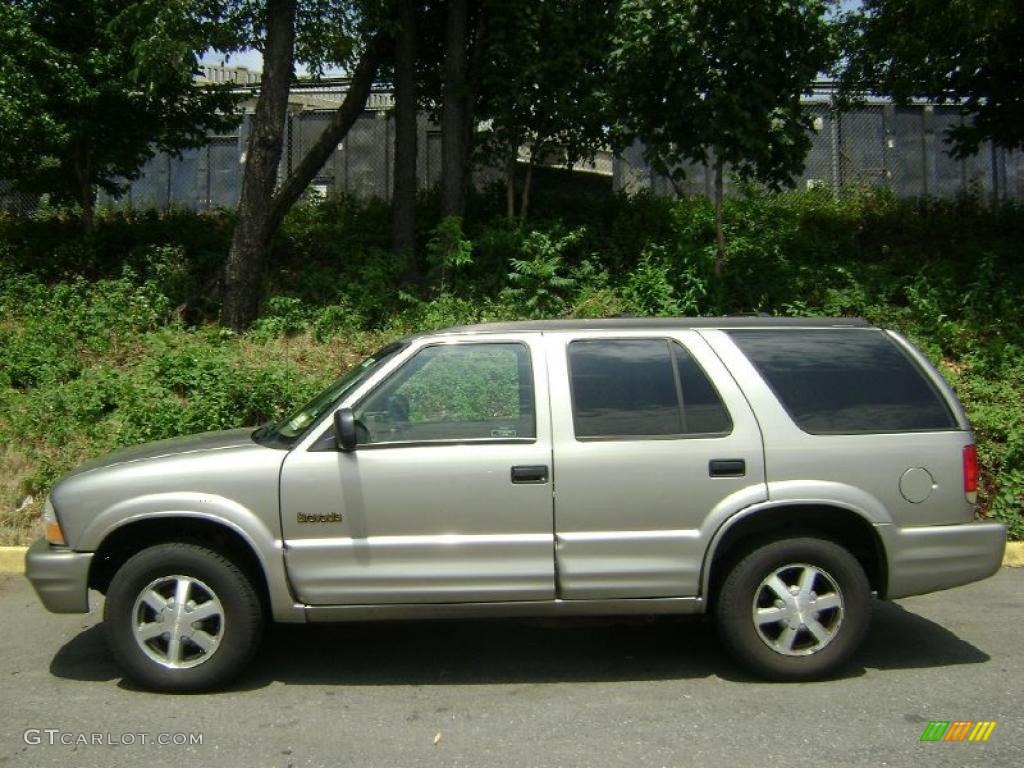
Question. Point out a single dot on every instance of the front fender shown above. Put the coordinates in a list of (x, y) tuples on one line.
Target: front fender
[(268, 548)]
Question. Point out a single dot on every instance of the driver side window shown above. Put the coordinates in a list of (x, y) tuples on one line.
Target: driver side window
[(453, 392)]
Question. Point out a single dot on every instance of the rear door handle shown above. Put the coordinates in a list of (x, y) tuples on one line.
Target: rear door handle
[(727, 468), (530, 473)]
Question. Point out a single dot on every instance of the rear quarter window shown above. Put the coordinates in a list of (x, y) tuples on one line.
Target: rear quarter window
[(845, 381)]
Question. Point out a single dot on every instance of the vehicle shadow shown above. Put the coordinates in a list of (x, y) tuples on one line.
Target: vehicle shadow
[(525, 651)]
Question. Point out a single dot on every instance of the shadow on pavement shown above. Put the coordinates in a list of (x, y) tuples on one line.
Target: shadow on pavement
[(525, 651), (900, 639), (85, 657)]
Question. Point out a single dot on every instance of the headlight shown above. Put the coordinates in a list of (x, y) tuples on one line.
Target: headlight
[(51, 527)]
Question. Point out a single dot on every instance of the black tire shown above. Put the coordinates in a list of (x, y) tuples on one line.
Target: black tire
[(761, 651), (241, 615)]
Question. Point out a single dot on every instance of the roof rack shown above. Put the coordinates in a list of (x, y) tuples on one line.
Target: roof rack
[(627, 323)]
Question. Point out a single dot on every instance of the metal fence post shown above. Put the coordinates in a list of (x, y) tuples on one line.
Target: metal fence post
[(834, 117), (344, 158), (994, 160), (209, 180), (387, 156), (167, 204), (931, 168), (289, 134), (964, 187), (888, 145)]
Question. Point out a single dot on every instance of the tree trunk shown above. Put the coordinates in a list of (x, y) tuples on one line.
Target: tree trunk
[(88, 203), (253, 230), (86, 191), (524, 205), (510, 183), (719, 234), (474, 63), (403, 204), (454, 138)]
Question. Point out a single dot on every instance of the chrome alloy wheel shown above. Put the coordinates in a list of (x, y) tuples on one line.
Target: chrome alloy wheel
[(798, 609), (178, 621)]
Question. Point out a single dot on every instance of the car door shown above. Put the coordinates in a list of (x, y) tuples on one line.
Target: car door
[(651, 436), (447, 498)]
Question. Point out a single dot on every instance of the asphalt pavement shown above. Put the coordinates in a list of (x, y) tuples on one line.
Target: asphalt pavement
[(525, 693)]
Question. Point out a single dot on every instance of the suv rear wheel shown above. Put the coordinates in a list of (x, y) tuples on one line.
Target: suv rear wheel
[(794, 609), (181, 617)]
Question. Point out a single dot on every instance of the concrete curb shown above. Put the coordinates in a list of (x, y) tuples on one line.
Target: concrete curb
[(1014, 555), (12, 559)]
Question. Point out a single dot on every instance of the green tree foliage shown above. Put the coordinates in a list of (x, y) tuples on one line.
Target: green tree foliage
[(719, 82), (966, 52), (327, 32), (541, 83), (711, 80), (90, 89)]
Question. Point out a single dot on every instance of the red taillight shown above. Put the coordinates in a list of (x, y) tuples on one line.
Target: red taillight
[(970, 469)]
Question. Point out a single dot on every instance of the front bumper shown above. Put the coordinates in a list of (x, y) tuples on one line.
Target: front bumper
[(929, 558), (60, 577)]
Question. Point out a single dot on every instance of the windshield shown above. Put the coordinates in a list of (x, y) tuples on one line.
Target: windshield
[(287, 431)]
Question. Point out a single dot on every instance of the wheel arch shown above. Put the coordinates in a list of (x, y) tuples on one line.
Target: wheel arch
[(840, 523), (139, 533)]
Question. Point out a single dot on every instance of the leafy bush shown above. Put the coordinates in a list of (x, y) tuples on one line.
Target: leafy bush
[(538, 284), (448, 250), (282, 316)]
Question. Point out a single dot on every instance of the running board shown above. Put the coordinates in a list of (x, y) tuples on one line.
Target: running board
[(633, 606)]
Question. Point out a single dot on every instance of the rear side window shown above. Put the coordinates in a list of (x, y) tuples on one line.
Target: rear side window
[(641, 388), (845, 382)]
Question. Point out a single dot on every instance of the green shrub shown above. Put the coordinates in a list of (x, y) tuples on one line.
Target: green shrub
[(538, 284), (448, 251), (282, 316)]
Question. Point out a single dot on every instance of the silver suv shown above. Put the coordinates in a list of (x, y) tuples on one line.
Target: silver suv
[(776, 473)]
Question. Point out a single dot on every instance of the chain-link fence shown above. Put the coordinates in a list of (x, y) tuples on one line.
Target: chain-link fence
[(210, 177), (902, 149), (875, 145), (14, 202)]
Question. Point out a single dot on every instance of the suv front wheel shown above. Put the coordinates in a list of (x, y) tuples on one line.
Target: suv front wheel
[(794, 609), (181, 617)]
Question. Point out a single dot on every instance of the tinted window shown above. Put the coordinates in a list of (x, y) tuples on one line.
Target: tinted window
[(703, 410), (643, 388), (453, 392), (844, 382)]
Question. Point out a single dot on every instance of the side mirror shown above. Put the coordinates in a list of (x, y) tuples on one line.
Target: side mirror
[(345, 430)]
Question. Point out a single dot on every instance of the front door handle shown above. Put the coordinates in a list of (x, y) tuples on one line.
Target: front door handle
[(531, 473), (727, 468)]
